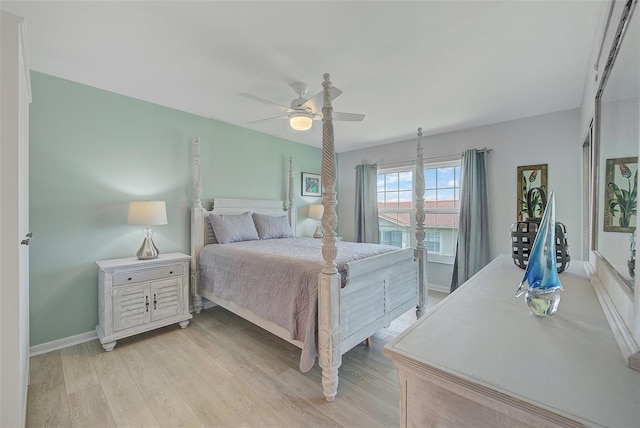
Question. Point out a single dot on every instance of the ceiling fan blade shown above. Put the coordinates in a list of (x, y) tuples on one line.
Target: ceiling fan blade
[(269, 118), (262, 100), (353, 117), (315, 103)]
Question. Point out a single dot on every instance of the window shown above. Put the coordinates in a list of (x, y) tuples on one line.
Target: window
[(442, 206), (395, 207), (433, 242), (392, 237)]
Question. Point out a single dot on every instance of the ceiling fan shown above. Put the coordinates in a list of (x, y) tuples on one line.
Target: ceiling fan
[(303, 112)]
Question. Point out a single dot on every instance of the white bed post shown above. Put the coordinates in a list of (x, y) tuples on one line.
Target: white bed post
[(197, 228), (329, 355), (291, 211), (420, 253)]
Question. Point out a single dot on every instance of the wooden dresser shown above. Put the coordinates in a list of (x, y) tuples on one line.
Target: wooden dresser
[(481, 358)]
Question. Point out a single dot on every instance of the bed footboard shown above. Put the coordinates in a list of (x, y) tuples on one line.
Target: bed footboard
[(379, 289)]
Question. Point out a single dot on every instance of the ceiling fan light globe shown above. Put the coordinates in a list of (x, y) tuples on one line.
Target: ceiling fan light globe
[(300, 121)]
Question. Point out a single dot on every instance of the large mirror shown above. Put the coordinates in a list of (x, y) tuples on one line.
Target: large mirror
[(618, 139)]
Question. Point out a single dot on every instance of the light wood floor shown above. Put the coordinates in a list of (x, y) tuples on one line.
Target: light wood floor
[(219, 371)]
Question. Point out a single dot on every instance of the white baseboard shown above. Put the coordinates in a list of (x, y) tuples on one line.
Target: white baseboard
[(54, 345)]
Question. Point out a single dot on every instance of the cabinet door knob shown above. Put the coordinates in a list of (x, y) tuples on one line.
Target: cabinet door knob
[(146, 304), (24, 242)]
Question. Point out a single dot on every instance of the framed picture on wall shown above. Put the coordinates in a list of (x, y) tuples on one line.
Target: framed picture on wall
[(530, 176), (311, 184), (621, 175)]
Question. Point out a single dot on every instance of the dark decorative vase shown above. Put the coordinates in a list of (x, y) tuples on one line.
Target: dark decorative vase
[(523, 234)]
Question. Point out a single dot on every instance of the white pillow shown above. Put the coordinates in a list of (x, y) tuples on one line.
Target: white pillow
[(230, 228), (272, 227)]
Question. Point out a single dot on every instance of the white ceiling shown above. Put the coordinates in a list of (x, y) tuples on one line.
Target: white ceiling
[(441, 65)]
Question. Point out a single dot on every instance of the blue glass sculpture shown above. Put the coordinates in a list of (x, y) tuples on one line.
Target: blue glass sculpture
[(544, 287)]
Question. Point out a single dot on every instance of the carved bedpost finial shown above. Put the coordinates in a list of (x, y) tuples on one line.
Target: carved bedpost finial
[(291, 212), (329, 217), (290, 182), (197, 187), (419, 191), (420, 252)]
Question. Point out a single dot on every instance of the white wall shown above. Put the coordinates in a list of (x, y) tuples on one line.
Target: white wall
[(554, 139)]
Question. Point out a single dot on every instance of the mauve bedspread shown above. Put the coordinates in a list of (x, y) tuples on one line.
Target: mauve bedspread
[(277, 279)]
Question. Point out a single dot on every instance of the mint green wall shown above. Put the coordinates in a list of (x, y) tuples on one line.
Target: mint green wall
[(92, 152)]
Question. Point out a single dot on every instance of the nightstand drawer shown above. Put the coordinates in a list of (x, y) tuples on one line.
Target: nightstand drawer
[(147, 275)]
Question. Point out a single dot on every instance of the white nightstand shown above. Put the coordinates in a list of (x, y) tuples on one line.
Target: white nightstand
[(135, 296)]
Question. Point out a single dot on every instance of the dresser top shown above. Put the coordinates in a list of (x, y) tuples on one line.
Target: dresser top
[(568, 363), (135, 262)]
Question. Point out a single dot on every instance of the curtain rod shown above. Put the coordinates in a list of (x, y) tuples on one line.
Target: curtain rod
[(428, 160)]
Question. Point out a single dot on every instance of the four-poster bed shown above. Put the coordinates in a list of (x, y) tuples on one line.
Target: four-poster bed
[(355, 289)]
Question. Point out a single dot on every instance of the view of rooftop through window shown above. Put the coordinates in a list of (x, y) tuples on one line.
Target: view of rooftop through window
[(442, 204)]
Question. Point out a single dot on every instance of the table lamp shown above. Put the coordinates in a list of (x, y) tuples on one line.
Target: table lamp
[(147, 213), (316, 211)]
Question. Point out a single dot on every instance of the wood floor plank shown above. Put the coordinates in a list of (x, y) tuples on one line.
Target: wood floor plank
[(268, 356), (47, 368), (366, 368), (200, 395), (197, 357), (164, 400), (111, 371), (254, 409), (194, 422), (89, 408), (130, 409), (340, 410), (78, 369), (379, 401), (207, 341), (237, 343), (378, 404), (47, 405), (281, 399)]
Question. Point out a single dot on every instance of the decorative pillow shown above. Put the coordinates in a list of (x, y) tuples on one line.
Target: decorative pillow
[(230, 228), (272, 227)]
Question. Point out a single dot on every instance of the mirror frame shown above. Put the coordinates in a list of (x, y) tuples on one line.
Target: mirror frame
[(620, 304)]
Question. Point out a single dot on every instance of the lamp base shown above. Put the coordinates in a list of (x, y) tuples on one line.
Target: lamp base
[(147, 250), (318, 233)]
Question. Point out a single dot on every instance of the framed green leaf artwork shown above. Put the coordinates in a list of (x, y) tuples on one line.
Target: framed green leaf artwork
[(530, 176), (621, 175), (311, 184)]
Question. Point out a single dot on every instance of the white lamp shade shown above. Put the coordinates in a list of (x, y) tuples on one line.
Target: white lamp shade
[(300, 121), (148, 213), (316, 211)]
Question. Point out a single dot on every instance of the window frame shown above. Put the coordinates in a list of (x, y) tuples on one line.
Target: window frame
[(434, 257), (398, 169), (410, 167)]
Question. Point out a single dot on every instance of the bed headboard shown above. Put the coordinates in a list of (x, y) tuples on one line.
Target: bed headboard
[(240, 206), (201, 231)]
